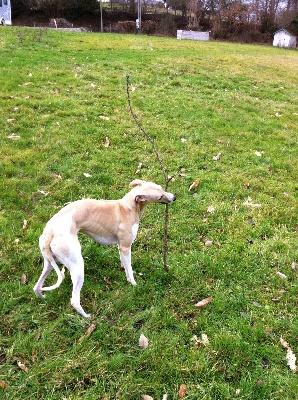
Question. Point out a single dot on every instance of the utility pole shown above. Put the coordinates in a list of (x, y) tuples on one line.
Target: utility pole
[(139, 25), (101, 22)]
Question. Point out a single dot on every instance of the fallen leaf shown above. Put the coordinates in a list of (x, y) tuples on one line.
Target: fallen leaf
[(217, 157), (87, 175), (182, 391), (290, 356), (143, 342), (204, 341), (249, 203), (139, 168), (293, 266), (3, 385), (203, 303), (43, 192), (208, 243), (284, 343), (14, 137), (194, 185), (88, 332), (281, 275), (210, 209), (17, 241), (23, 279), (25, 224), (291, 360), (22, 366), (237, 392), (147, 397), (183, 140), (107, 142), (104, 118), (165, 397), (63, 272), (34, 355)]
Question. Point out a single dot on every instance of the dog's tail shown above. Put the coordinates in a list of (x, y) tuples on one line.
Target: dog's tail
[(46, 249)]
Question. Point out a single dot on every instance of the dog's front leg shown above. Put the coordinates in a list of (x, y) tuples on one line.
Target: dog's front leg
[(125, 257)]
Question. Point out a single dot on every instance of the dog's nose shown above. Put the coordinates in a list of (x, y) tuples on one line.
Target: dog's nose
[(174, 198)]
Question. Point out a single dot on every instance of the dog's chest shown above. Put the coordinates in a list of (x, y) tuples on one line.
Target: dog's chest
[(135, 228)]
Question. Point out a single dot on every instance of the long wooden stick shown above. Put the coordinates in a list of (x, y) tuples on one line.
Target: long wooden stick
[(163, 170)]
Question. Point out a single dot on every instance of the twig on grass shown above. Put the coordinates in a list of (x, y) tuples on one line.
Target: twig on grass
[(163, 170)]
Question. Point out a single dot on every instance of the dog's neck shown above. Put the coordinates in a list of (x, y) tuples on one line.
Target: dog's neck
[(137, 207)]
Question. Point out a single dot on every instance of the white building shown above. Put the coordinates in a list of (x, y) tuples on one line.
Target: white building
[(192, 35), (5, 11), (283, 38)]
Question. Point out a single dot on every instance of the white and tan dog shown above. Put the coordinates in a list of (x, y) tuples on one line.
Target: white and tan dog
[(105, 221)]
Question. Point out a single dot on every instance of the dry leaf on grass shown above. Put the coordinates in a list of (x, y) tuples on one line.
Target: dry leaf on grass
[(107, 142), (204, 341), (139, 168), (249, 203), (104, 117), (217, 157), (3, 385), (193, 185), (203, 303), (22, 366), (14, 137), (208, 243), (147, 397), (43, 192), (63, 272), (87, 175), (23, 279), (281, 275), (25, 224), (290, 356), (182, 391), (88, 332), (210, 209), (143, 342)]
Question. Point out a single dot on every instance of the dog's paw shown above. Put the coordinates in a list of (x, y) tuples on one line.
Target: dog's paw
[(132, 281), (39, 295)]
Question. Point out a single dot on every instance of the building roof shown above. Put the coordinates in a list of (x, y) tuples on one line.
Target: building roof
[(285, 31)]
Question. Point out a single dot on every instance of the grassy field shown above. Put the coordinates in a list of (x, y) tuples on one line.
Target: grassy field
[(223, 114)]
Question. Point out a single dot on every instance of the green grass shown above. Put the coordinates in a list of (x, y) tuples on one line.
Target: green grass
[(218, 98)]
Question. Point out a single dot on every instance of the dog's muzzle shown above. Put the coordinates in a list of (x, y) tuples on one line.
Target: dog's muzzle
[(169, 198)]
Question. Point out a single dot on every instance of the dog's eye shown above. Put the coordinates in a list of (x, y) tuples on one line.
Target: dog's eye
[(160, 198)]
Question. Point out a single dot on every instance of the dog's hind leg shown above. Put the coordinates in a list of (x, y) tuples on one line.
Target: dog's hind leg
[(69, 254), (77, 277), (45, 272)]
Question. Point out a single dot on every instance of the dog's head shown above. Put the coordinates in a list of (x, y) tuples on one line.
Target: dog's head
[(150, 192)]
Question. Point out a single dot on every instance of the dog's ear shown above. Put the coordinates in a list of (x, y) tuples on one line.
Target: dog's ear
[(139, 198), (136, 182)]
